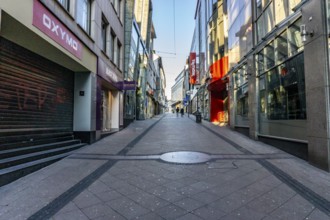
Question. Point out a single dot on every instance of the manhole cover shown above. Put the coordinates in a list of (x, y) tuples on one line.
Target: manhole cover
[(185, 157)]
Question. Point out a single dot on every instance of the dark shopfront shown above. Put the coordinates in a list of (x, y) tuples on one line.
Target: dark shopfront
[(36, 95)]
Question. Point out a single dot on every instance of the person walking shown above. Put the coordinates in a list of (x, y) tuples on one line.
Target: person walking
[(182, 112), (177, 111)]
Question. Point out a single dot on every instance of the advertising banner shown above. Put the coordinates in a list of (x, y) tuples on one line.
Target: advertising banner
[(192, 68)]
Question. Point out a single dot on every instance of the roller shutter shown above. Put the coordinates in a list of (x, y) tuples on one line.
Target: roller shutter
[(35, 93)]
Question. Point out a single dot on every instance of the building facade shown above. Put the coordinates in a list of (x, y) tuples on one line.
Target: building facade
[(177, 91), (141, 100), (279, 86), (62, 64), (266, 72), (160, 96)]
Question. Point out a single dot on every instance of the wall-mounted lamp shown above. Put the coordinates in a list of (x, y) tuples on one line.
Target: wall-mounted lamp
[(304, 33)]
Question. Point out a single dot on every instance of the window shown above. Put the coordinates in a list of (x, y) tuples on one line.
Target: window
[(242, 108), (104, 34), (65, 4), (294, 38), (119, 48), (294, 3), (285, 91), (84, 14), (112, 45), (260, 62), (269, 56), (281, 48), (119, 9), (282, 10), (240, 83)]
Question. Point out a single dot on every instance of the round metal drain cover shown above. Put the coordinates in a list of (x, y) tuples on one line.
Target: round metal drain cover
[(185, 157)]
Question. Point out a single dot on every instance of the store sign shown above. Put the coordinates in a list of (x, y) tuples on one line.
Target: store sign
[(46, 22), (129, 85), (108, 74)]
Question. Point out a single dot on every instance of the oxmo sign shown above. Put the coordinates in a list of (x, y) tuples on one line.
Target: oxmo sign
[(46, 22)]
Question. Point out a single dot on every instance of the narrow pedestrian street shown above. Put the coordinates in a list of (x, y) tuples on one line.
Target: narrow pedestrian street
[(171, 167)]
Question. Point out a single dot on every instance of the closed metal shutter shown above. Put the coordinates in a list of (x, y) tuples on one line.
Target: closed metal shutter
[(35, 93)]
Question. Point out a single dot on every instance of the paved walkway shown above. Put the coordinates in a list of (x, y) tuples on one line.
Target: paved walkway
[(128, 175)]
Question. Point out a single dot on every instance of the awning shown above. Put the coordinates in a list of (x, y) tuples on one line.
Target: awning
[(218, 85)]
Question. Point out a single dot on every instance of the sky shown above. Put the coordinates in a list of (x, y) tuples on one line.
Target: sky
[(174, 25)]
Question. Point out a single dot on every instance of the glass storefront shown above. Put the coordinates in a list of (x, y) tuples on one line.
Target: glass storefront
[(282, 98), (240, 81), (130, 95)]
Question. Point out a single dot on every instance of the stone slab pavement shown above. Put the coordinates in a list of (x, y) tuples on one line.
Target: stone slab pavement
[(126, 176)]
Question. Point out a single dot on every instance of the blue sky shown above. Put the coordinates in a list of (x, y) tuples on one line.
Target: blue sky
[(174, 36)]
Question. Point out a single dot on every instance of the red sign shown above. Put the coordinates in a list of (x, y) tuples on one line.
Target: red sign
[(219, 68), (192, 68), (46, 22)]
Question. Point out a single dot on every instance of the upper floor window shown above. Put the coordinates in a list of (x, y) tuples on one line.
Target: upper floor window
[(65, 4), (112, 45), (272, 12), (119, 9), (119, 52), (84, 14), (104, 34)]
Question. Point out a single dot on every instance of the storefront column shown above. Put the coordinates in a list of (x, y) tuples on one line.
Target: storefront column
[(84, 119), (317, 84)]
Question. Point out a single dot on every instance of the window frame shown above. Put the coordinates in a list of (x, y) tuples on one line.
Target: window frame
[(84, 23), (65, 4), (104, 34)]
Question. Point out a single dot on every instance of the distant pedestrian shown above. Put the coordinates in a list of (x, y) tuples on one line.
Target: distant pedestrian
[(182, 112), (177, 111)]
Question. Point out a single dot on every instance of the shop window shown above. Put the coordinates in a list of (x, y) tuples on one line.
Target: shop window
[(84, 14), (242, 108), (262, 94), (65, 4), (286, 91), (281, 48)]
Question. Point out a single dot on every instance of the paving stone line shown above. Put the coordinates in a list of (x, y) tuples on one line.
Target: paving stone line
[(54, 206), (317, 200)]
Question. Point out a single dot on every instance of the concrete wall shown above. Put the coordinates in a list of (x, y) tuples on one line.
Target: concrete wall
[(317, 84)]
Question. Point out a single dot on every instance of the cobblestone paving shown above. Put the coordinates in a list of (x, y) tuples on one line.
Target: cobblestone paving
[(124, 176)]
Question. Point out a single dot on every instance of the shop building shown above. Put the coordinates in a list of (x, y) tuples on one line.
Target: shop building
[(279, 71), (177, 91), (160, 85), (61, 64), (266, 71), (141, 101)]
